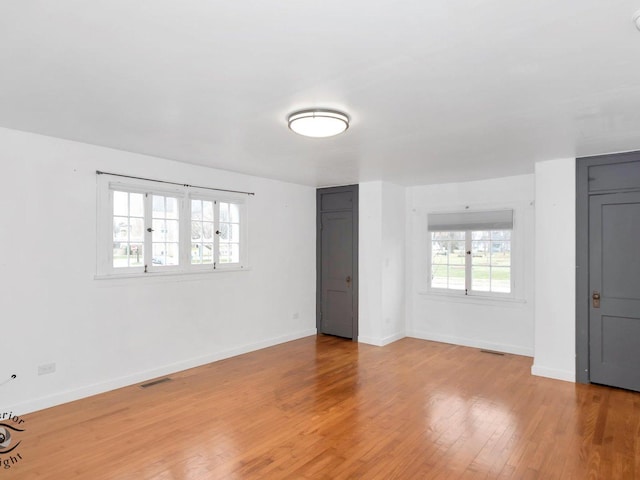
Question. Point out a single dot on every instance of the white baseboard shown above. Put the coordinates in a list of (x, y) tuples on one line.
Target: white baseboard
[(96, 388), (381, 342), (471, 342), (393, 338), (566, 375)]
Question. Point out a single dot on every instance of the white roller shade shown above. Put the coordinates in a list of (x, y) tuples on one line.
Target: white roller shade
[(460, 221)]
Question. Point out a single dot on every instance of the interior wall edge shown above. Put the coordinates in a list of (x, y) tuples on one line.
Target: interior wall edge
[(553, 373), (381, 341)]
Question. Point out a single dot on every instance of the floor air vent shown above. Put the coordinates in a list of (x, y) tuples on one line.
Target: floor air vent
[(155, 382)]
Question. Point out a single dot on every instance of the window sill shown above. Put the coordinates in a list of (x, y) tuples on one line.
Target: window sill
[(474, 298), (171, 274)]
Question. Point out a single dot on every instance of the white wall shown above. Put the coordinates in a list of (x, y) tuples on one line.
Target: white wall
[(555, 314), (540, 325), (369, 265), (497, 325), (381, 263), (103, 334), (393, 262)]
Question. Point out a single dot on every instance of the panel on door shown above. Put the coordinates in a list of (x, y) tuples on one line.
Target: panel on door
[(337, 274), (614, 278)]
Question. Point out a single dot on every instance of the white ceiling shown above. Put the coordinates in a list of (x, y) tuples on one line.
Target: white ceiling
[(438, 90)]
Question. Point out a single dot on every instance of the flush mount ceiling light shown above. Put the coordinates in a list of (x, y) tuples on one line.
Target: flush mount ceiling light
[(636, 19), (318, 123)]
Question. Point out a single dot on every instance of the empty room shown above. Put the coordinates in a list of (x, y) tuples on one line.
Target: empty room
[(331, 240)]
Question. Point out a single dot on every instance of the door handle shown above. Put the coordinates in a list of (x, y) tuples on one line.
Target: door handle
[(595, 299), (348, 279)]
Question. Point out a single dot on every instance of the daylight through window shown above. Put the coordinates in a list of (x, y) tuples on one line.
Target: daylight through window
[(179, 230), (468, 258)]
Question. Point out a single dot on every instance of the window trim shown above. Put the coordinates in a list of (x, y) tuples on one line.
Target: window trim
[(518, 245), (104, 228), (468, 291)]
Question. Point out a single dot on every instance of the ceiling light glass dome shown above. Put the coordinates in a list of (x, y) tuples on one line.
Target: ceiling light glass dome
[(318, 123)]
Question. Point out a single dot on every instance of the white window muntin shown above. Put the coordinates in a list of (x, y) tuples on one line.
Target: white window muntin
[(219, 225), (105, 215), (153, 231), (466, 223), (467, 265), (202, 227)]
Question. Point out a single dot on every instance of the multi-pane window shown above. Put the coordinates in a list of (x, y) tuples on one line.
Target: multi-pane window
[(448, 260), (229, 232), (471, 252), (128, 229), (491, 261), (473, 261), (202, 228), (165, 231), (181, 231)]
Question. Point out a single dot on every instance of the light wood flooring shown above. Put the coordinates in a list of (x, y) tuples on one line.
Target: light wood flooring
[(327, 408)]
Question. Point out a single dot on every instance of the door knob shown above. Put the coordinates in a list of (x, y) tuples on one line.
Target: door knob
[(348, 279), (595, 298)]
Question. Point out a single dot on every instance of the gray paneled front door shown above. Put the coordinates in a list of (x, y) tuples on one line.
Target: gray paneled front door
[(614, 278)]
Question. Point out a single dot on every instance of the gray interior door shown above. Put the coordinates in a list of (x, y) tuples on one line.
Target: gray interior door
[(337, 274), (614, 280), (337, 261)]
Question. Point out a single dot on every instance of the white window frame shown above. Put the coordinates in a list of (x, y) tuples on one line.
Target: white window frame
[(468, 269), (239, 200), (104, 266), (517, 260)]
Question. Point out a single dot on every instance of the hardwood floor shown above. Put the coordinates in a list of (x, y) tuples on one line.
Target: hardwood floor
[(326, 408)]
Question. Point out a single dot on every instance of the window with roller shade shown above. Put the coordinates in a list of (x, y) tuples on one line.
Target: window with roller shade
[(470, 252)]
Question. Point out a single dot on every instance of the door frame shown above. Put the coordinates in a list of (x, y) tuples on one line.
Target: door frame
[(354, 209), (583, 296)]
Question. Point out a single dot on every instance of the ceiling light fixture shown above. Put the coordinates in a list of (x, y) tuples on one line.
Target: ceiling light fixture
[(636, 19), (318, 123)]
